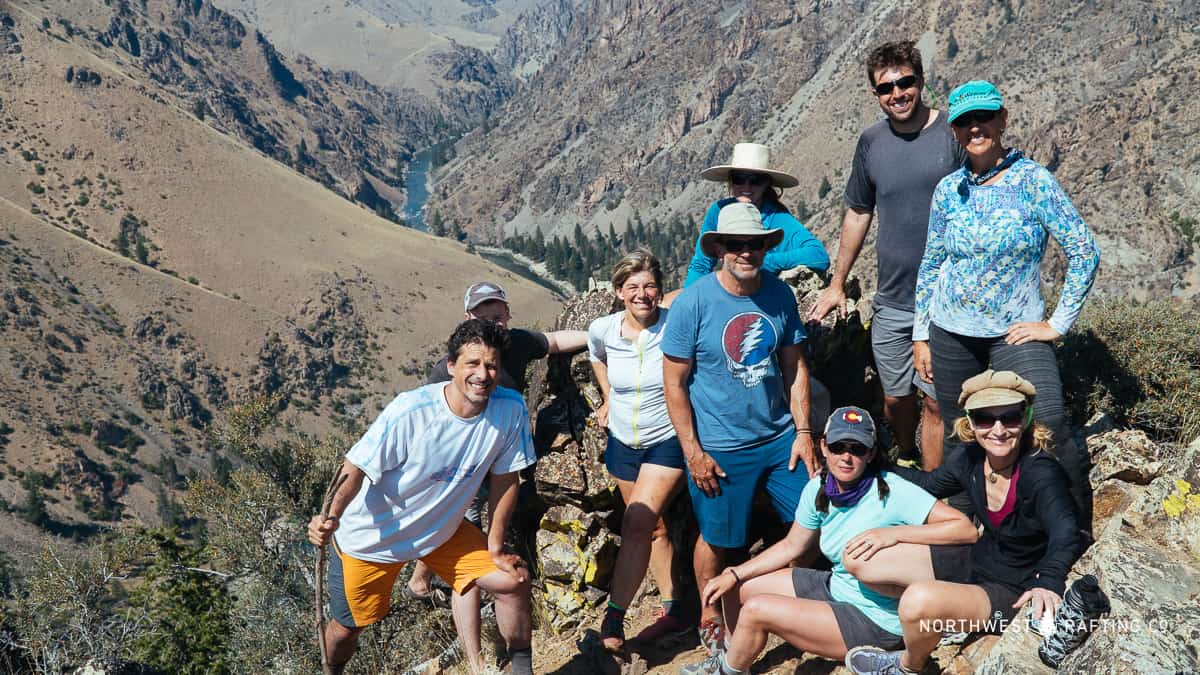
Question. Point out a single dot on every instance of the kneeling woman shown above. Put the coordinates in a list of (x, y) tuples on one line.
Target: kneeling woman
[(858, 512), (1030, 538)]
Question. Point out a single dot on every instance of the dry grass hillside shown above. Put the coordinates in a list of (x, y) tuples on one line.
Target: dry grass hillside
[(156, 270), (642, 96), (399, 45)]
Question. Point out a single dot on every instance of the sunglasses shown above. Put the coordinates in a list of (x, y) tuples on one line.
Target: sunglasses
[(842, 447), (753, 179), (739, 245), (974, 117), (885, 88), (1009, 418)]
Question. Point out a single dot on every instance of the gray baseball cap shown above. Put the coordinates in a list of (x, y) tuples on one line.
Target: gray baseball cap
[(850, 423), (482, 292)]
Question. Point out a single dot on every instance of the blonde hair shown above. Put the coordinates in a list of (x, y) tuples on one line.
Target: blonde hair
[(634, 262), (1037, 437)]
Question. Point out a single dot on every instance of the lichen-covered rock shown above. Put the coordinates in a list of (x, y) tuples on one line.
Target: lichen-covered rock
[(564, 607), (1128, 455), (559, 558)]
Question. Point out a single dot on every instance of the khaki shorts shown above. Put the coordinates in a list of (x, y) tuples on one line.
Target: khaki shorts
[(360, 591)]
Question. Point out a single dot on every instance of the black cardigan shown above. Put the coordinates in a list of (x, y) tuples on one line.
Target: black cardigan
[(1036, 544)]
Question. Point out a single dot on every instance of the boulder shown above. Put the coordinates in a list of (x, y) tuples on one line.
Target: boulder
[(1127, 455)]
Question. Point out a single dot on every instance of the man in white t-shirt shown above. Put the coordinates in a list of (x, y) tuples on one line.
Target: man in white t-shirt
[(423, 459)]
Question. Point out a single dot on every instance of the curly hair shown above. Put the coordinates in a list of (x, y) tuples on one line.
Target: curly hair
[(476, 331), (877, 464), (1037, 436), (889, 54)]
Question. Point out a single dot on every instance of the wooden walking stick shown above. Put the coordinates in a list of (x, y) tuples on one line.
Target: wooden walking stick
[(319, 608)]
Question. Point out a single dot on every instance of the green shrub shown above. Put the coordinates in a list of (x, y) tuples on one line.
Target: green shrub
[(1140, 363)]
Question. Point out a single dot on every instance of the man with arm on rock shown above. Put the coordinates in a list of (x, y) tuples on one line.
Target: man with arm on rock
[(410, 480)]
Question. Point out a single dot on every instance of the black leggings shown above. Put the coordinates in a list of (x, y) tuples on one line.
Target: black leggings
[(958, 357)]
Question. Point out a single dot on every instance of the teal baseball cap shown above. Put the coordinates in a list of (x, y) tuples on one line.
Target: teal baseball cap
[(974, 95)]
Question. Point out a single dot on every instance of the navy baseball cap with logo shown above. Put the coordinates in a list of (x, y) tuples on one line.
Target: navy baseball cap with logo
[(850, 423)]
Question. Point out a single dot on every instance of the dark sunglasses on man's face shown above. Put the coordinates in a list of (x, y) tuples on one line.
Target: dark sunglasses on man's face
[(1008, 418), (739, 245), (885, 88), (974, 117), (752, 179), (842, 447)]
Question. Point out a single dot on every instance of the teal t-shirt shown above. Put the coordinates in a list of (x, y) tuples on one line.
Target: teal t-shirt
[(906, 504)]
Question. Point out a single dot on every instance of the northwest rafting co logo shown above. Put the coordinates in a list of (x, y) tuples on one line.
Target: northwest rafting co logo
[(749, 340)]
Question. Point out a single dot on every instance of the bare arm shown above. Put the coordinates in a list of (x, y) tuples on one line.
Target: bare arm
[(798, 541), (703, 469), (600, 370), (502, 502), (321, 529), (566, 341), (855, 225), (795, 379), (943, 525)]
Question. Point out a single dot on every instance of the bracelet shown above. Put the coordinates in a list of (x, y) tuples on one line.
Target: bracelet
[(804, 429), (735, 574)]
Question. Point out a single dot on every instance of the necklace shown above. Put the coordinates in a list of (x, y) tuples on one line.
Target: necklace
[(993, 476)]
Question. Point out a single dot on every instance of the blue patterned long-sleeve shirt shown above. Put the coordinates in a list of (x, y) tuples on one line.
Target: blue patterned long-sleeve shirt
[(981, 269)]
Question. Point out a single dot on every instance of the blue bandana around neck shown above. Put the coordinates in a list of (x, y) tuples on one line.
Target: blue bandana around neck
[(847, 498), (979, 179)]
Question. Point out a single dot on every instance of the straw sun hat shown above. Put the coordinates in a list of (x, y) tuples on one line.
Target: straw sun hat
[(750, 157)]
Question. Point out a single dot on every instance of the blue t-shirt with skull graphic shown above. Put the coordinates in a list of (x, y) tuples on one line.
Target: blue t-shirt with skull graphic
[(735, 386)]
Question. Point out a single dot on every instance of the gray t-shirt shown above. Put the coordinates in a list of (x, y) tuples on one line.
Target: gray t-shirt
[(895, 174)]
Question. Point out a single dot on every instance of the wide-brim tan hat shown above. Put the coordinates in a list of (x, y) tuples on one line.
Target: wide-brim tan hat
[(750, 157), (993, 388), (739, 219)]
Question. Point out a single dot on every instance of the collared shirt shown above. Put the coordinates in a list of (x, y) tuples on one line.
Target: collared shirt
[(637, 407)]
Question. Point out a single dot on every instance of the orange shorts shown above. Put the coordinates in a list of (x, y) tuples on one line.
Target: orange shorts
[(360, 591)]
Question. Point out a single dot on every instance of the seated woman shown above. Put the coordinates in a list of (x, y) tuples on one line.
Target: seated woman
[(1030, 535), (858, 512), (751, 180), (643, 454)]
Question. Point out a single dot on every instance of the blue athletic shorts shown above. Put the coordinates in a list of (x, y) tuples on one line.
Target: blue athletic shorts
[(624, 462), (725, 518)]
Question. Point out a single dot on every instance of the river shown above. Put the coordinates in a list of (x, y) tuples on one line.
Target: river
[(418, 184)]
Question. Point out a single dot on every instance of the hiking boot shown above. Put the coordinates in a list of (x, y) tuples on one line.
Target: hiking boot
[(709, 666), (612, 631), (712, 635), (665, 626), (870, 660)]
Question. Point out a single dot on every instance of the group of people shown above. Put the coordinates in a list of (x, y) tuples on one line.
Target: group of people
[(708, 387)]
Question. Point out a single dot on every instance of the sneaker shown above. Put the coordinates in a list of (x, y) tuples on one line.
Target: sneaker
[(712, 635), (665, 626), (612, 631), (870, 660), (709, 666)]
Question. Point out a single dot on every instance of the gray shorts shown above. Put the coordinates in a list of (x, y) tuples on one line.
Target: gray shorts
[(857, 630), (891, 341)]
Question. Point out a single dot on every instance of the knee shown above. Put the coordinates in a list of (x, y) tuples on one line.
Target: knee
[(337, 634), (641, 524), (892, 402), (931, 407), (917, 602), (755, 611), (858, 568)]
